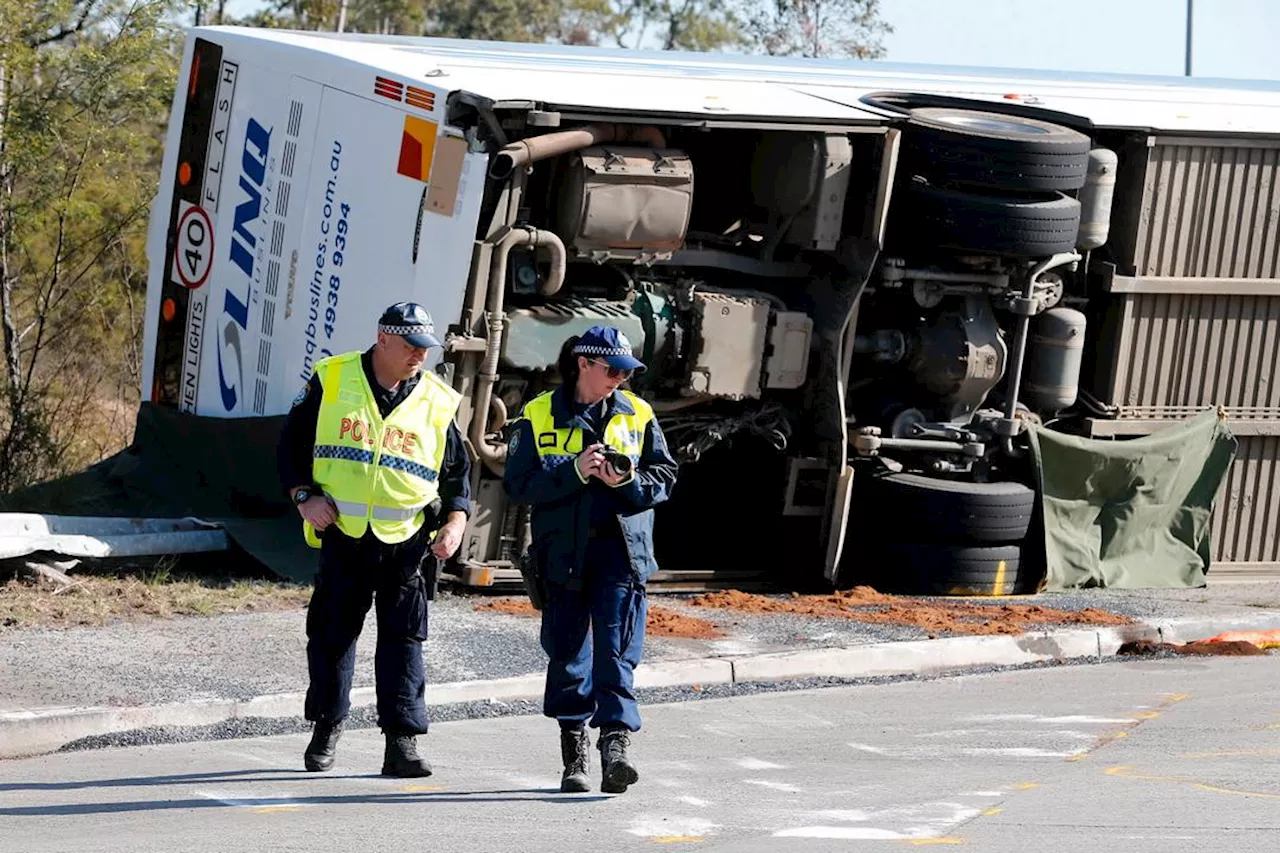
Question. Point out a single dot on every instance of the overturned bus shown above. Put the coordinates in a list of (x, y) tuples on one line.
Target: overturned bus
[(857, 286)]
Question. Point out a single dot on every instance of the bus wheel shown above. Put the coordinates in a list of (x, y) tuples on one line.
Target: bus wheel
[(996, 224), (981, 150)]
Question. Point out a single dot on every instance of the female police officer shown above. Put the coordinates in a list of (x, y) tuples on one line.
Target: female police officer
[(592, 519)]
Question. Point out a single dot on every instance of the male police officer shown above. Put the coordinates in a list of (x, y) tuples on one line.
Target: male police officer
[(373, 460)]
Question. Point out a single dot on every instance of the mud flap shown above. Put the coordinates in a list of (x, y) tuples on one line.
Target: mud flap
[(838, 523)]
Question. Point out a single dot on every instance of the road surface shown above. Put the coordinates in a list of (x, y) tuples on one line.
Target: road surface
[(1160, 756)]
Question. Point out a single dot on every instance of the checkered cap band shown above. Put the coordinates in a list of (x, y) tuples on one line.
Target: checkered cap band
[(598, 350), (406, 330)]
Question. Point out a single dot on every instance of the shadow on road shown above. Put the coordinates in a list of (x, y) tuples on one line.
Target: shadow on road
[(290, 803)]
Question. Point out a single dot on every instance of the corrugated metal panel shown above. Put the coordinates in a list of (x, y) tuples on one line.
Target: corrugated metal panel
[(1180, 353), (1211, 210), (1246, 520)]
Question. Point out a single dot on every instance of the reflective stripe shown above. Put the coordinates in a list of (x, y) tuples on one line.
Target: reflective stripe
[(386, 513), (348, 507), (417, 469), (337, 451), (381, 513)]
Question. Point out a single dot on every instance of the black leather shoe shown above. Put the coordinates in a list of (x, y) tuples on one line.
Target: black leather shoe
[(401, 758), (323, 747)]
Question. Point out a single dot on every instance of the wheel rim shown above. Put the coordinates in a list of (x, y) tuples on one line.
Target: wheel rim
[(991, 124)]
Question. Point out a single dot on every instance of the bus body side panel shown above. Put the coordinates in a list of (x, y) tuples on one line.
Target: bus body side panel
[(291, 211), (392, 205)]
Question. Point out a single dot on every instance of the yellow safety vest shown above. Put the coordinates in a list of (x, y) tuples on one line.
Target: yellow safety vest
[(625, 432), (380, 474)]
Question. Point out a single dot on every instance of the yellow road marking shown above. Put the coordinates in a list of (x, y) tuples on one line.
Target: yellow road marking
[(265, 809), (944, 840), (1026, 786), (1146, 715), (675, 839), (418, 789), (1124, 772), (992, 812)]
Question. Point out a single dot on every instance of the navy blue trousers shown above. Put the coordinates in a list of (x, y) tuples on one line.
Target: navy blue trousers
[(354, 573), (594, 638)]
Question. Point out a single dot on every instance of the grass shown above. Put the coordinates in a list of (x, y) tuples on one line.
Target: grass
[(166, 588)]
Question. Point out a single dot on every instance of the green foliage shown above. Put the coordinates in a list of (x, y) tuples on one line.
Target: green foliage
[(803, 27), (86, 90), (816, 28)]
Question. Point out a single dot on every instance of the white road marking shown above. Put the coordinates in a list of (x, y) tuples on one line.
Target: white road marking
[(959, 733), (661, 826), (846, 833), (757, 764), (695, 801), (1074, 719), (862, 747), (905, 823), (773, 786), (259, 801), (534, 781), (1019, 752)]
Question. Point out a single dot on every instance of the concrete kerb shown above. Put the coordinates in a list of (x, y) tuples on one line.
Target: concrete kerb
[(39, 731)]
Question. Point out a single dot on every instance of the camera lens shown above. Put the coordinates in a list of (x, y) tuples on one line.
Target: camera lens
[(620, 462)]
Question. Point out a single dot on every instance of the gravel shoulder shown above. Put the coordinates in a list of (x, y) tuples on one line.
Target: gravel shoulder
[(241, 655)]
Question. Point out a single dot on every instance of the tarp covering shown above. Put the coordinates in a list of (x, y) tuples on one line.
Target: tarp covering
[(221, 470), (1131, 514)]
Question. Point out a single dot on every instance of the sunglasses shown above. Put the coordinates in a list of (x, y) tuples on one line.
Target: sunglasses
[(614, 372)]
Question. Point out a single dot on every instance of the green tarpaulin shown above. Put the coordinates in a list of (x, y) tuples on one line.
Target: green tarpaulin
[(1131, 514)]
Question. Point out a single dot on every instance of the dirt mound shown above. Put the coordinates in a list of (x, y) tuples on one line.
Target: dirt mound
[(934, 616), (509, 606), (661, 622), (1230, 648)]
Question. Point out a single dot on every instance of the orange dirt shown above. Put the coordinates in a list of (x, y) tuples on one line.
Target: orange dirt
[(661, 622), (864, 604), (509, 606), (1230, 648)]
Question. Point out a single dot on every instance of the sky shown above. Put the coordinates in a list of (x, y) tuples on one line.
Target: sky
[(1230, 38)]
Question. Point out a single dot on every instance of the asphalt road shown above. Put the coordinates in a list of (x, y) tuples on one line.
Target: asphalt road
[(1167, 756)]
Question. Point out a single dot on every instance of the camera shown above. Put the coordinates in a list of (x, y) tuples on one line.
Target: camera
[(620, 461)]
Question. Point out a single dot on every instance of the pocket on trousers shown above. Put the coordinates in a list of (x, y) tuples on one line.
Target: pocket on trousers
[(411, 609), (632, 641)]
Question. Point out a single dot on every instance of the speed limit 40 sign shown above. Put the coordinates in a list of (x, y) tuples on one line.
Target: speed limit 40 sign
[(193, 246)]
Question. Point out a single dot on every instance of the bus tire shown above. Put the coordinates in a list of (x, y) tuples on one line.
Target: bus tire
[(993, 224), (955, 510), (982, 150), (920, 568)]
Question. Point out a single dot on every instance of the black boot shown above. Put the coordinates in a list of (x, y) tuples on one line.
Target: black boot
[(401, 757), (323, 747), (575, 750), (617, 771)]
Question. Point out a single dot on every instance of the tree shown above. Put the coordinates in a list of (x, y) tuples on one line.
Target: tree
[(83, 85), (665, 24), (815, 28)]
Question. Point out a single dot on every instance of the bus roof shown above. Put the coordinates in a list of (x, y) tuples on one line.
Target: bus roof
[(733, 86)]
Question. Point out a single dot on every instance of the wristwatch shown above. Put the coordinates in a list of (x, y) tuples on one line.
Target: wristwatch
[(302, 496)]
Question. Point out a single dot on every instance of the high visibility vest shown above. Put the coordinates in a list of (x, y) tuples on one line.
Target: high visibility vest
[(379, 474), (624, 433)]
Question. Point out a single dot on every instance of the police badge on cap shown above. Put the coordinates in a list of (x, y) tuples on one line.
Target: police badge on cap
[(410, 321)]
